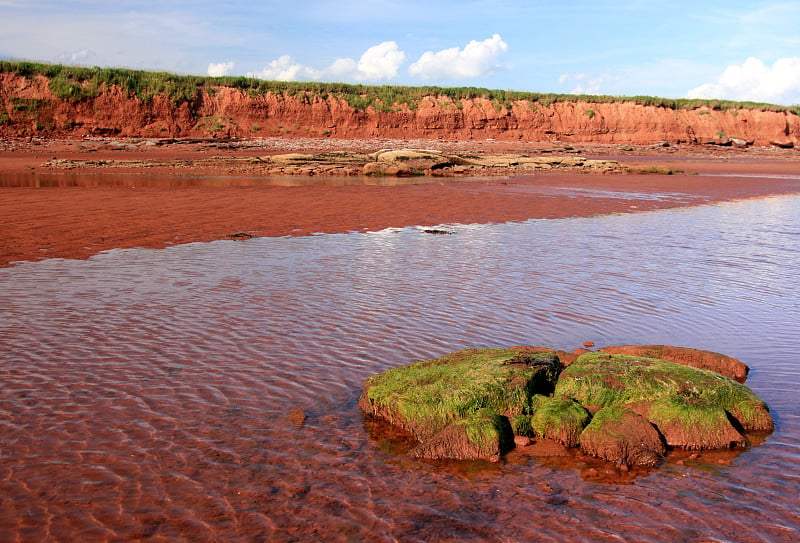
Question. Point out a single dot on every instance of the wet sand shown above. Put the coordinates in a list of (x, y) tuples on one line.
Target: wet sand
[(75, 214)]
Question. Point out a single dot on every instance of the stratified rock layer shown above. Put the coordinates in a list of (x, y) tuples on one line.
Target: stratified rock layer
[(226, 112)]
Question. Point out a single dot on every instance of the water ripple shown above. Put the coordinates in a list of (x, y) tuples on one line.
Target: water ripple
[(145, 393)]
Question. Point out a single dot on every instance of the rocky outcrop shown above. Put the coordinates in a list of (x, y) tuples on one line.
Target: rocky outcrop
[(483, 434), (693, 422), (561, 419), (28, 107), (697, 358), (620, 435), (627, 409), (468, 389), (394, 163)]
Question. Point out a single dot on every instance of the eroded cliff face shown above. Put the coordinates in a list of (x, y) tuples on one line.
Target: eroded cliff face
[(29, 108)]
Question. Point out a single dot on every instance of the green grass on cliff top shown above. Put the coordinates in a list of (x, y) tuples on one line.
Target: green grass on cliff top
[(78, 83)]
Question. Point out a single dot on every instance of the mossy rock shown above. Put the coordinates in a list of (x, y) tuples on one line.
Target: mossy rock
[(619, 435), (697, 358), (471, 404), (426, 396), (600, 379), (483, 434), (691, 422), (560, 419), (521, 425)]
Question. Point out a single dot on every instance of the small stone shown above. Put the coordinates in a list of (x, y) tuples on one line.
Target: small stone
[(297, 416), (522, 441)]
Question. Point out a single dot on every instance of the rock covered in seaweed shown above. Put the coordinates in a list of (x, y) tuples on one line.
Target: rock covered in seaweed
[(483, 434), (429, 396), (697, 358), (605, 379), (692, 422), (626, 409), (561, 419), (620, 435)]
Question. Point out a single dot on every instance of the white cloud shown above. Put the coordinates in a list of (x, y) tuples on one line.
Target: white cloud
[(77, 57), (220, 69), (587, 83), (286, 69), (475, 60), (341, 69), (755, 81), (380, 61)]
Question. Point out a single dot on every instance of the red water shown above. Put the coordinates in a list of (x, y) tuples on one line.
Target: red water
[(144, 394)]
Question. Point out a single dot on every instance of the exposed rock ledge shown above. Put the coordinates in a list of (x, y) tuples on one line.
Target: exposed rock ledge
[(625, 408), (387, 162)]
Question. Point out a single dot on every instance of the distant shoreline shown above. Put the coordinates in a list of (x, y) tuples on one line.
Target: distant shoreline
[(56, 101), (100, 210)]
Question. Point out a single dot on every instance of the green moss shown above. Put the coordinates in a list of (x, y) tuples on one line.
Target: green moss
[(558, 418), (695, 413), (486, 431), (693, 422), (602, 421), (607, 415), (426, 396), (614, 380), (521, 425), (470, 404), (742, 404)]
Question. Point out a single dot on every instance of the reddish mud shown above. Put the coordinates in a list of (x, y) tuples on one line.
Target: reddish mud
[(75, 214)]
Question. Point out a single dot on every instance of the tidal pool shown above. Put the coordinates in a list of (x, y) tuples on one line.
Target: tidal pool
[(144, 393)]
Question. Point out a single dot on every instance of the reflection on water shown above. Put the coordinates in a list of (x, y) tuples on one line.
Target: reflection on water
[(61, 179), (145, 393), (576, 192)]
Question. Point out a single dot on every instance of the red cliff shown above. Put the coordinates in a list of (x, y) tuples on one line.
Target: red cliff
[(28, 107)]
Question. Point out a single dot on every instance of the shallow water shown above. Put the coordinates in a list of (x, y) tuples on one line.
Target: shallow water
[(144, 393), (60, 179)]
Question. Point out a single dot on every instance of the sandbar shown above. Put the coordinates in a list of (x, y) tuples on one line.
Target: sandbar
[(52, 213)]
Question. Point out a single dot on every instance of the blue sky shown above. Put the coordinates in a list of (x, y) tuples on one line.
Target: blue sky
[(743, 50)]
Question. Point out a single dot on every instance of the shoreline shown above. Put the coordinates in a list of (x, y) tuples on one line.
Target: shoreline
[(201, 199)]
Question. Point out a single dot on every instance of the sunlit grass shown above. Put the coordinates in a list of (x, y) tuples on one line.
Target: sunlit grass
[(77, 83)]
